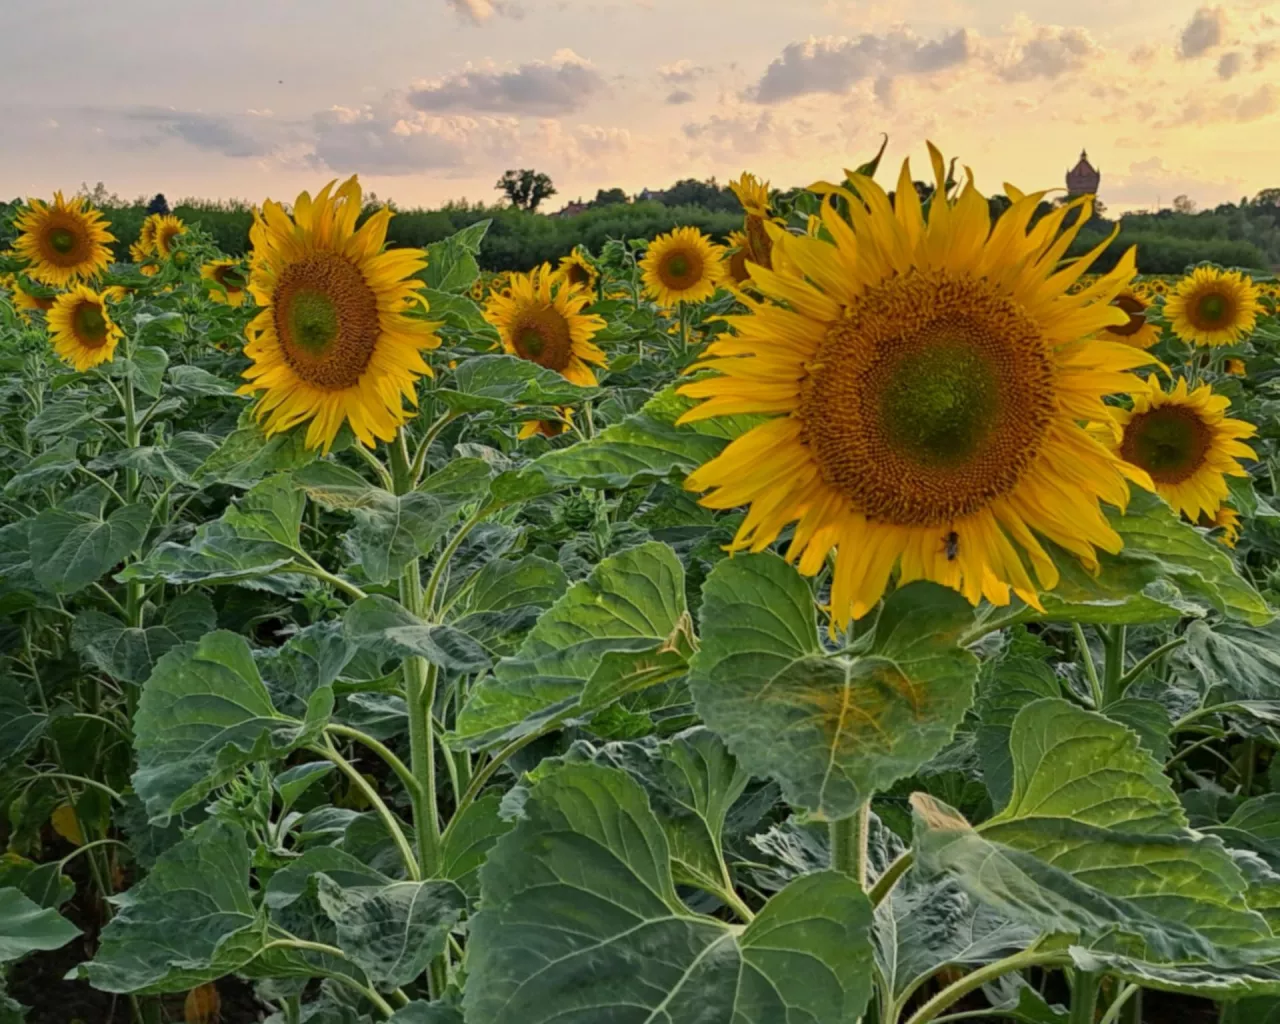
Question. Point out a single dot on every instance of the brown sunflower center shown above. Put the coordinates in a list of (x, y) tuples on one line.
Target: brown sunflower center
[(928, 400), (231, 278), (65, 242), (1137, 310), (1170, 443), (680, 269), (1211, 310), (738, 266), (577, 274), (541, 335), (326, 317), (90, 325)]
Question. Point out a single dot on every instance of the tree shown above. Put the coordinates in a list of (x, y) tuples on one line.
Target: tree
[(1184, 204), (158, 204), (1267, 197), (525, 189), (609, 197)]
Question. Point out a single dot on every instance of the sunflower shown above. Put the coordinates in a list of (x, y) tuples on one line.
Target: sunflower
[(924, 380), (143, 251), (548, 428), (752, 193), (62, 241), (83, 332), (735, 259), (167, 230), (230, 276), (24, 301), (1213, 307), (1182, 443), (1227, 520), (1235, 367), (1137, 331), (541, 319), (579, 272), (334, 340), (682, 266)]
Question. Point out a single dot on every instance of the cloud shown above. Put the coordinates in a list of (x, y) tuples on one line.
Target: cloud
[(1260, 103), (1265, 53), (681, 72), (1229, 65), (1050, 52), (561, 86), (1206, 29), (213, 133), (834, 64), (480, 11), (1239, 108), (739, 133), (679, 96)]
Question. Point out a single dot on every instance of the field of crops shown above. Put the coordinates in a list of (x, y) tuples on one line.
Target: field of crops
[(871, 620)]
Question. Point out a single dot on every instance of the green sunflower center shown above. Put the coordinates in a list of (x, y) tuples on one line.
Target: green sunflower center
[(1170, 443), (1213, 308), (680, 270), (541, 335), (326, 318), (62, 240), (90, 325), (928, 400)]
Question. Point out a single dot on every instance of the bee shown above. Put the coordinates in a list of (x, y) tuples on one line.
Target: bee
[(952, 542)]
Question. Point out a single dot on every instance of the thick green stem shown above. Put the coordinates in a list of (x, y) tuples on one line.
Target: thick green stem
[(388, 756), (132, 438), (1113, 1011), (1132, 675), (1090, 669), (849, 844), (330, 752), (1113, 685), (1084, 997), (885, 883)]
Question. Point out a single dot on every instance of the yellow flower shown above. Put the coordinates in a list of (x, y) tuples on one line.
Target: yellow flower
[(1182, 445), (1228, 521), (62, 241), (334, 341), (578, 272), (1137, 331), (735, 259), (752, 193), (682, 266), (167, 230), (82, 330), (24, 301), (548, 428), (1235, 367), (924, 381), (1213, 307), (231, 276), (115, 293), (541, 319)]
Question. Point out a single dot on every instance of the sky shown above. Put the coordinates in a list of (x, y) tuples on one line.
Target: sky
[(431, 100)]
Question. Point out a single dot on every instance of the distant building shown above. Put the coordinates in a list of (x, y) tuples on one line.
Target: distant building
[(1083, 179), (649, 194), (571, 209)]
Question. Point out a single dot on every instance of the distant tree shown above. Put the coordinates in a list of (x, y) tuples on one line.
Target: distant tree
[(707, 194), (525, 189), (1184, 204), (99, 196), (1267, 197), (608, 197), (158, 205)]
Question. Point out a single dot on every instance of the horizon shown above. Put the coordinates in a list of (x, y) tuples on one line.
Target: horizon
[(593, 93)]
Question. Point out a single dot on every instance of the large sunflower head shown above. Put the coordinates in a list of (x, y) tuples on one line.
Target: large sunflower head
[(682, 266), (578, 272), (167, 230), (26, 301), (752, 193), (1136, 331), (540, 318), (231, 279), (924, 379), (63, 241), (1183, 444), (1213, 307), (334, 341), (82, 330)]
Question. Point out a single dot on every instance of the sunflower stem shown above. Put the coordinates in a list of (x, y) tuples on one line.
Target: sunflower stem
[(1113, 681), (132, 438), (1090, 669), (849, 844)]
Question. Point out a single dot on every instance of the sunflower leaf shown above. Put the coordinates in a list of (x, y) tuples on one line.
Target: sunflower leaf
[(831, 730), (70, 550)]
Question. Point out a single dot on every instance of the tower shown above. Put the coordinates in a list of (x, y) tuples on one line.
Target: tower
[(1083, 179)]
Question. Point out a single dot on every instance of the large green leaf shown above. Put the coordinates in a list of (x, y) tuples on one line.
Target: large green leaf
[(129, 654), (175, 461), (392, 931), (623, 628), (70, 550), (190, 920), (580, 922), (26, 927), (21, 725), (1242, 663), (832, 730), (247, 455), (692, 781), (469, 838), (503, 600), (1007, 684), (451, 262), (270, 511), (388, 629), (46, 469), (501, 384), (203, 715), (1093, 844)]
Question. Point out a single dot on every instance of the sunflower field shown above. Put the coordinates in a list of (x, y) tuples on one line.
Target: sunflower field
[(871, 620)]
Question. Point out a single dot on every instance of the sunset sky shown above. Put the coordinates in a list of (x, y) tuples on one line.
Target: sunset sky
[(432, 99)]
